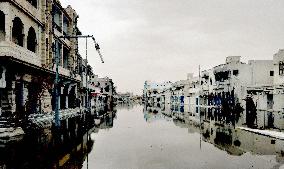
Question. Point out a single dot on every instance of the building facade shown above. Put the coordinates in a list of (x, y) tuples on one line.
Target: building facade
[(33, 33)]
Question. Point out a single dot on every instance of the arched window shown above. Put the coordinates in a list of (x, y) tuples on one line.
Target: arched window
[(2, 26), (31, 40), (17, 32)]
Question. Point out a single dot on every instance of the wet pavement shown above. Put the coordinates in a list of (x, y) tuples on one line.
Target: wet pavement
[(140, 137)]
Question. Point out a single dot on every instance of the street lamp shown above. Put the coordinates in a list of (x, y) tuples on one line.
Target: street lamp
[(56, 116)]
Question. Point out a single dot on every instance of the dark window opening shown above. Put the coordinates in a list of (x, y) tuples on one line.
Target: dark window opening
[(235, 72), (65, 25), (31, 40), (33, 3), (46, 46), (58, 53), (65, 57), (2, 26), (221, 76), (17, 32), (107, 89), (57, 18), (281, 68), (271, 73), (210, 81), (196, 101)]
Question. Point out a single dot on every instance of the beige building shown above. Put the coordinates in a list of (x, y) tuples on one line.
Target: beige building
[(31, 37)]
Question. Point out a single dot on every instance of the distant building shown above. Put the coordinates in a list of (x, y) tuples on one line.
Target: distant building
[(256, 86), (152, 91), (124, 97), (104, 89)]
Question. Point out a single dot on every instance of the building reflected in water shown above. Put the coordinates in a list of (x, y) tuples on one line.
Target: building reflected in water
[(46, 149), (219, 132)]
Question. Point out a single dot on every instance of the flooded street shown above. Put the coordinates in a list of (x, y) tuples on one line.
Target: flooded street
[(140, 137), (143, 139), (141, 84)]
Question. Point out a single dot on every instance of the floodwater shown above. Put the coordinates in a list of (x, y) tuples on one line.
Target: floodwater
[(140, 137)]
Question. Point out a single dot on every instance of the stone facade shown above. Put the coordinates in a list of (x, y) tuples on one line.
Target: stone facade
[(32, 34)]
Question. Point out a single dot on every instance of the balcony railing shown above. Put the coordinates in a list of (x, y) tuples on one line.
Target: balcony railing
[(18, 52), (45, 120)]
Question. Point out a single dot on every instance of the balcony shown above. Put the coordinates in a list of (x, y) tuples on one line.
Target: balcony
[(12, 50), (65, 72), (222, 84), (66, 41), (28, 8), (45, 120)]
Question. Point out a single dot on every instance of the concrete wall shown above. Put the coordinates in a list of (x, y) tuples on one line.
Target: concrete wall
[(278, 57), (261, 72)]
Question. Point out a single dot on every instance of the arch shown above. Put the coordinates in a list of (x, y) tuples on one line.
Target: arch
[(2, 26), (31, 40), (17, 32)]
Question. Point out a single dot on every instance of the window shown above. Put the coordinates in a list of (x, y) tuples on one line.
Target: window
[(57, 18), (47, 46), (31, 40), (2, 26), (281, 68), (65, 25), (17, 32), (58, 50), (65, 57), (33, 3), (271, 73), (235, 72), (197, 102)]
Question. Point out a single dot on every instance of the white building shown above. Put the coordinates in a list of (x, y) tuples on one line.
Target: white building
[(153, 91), (104, 89)]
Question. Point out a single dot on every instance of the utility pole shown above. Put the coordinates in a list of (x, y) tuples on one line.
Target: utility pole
[(57, 120), (56, 86)]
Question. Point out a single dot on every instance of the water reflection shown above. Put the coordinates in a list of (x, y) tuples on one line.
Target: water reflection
[(218, 129), (56, 149), (154, 136)]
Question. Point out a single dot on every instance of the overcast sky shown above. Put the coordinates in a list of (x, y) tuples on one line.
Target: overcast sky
[(166, 39)]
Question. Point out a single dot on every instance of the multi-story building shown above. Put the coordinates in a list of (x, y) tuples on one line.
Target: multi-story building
[(33, 33), (268, 97), (224, 89), (231, 79), (154, 92), (124, 97), (104, 89)]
